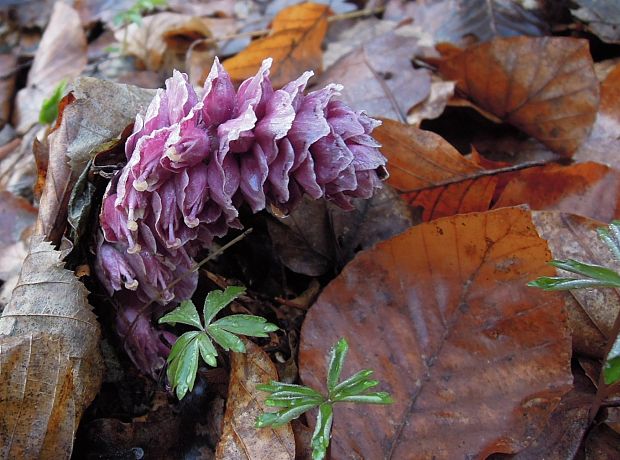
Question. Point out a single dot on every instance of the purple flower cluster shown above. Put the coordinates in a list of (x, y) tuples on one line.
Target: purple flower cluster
[(193, 161)]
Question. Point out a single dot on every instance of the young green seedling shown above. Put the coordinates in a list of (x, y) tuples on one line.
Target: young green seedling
[(184, 356), (49, 109), (294, 400), (594, 276)]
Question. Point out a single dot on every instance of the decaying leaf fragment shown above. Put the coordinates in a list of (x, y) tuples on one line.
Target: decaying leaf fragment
[(50, 363), (240, 439), (544, 86), (443, 315)]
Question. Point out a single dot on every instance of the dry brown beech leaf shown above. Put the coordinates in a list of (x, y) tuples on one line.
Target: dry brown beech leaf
[(241, 440), (469, 195), (319, 237), (588, 189), (50, 363), (418, 159), (603, 143), (378, 77), (544, 86), (457, 21), (297, 33), (591, 312), (158, 39), (561, 438), (443, 316), (61, 55)]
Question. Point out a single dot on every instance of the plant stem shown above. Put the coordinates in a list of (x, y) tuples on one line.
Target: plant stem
[(603, 390)]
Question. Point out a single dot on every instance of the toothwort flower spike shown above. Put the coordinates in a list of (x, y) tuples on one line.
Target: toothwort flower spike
[(193, 161)]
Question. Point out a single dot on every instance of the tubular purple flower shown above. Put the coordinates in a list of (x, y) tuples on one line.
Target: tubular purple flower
[(193, 161)]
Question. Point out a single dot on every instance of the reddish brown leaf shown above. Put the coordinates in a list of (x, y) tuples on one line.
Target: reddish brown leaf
[(418, 159), (297, 33), (378, 77), (470, 195), (442, 314), (544, 86), (591, 312), (241, 440), (588, 189)]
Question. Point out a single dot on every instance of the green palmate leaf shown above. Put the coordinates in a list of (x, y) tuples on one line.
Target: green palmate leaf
[(336, 360), (255, 326), (207, 350), (49, 108), (611, 370), (225, 339), (353, 380), (356, 389), (557, 283), (292, 400), (185, 313), (596, 272), (287, 388), (322, 431), (276, 419), (183, 364), (217, 300), (380, 397)]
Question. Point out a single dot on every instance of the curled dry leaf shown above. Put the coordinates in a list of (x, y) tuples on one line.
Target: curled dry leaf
[(544, 86), (458, 21), (297, 33), (240, 439), (159, 38), (50, 363), (591, 312), (378, 77), (318, 237), (424, 310), (95, 112), (61, 55)]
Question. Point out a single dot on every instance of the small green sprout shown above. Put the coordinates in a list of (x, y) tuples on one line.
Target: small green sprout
[(184, 356), (294, 400), (592, 276), (49, 108), (135, 13)]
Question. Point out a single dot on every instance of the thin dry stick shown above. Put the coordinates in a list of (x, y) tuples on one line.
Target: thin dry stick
[(195, 267)]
